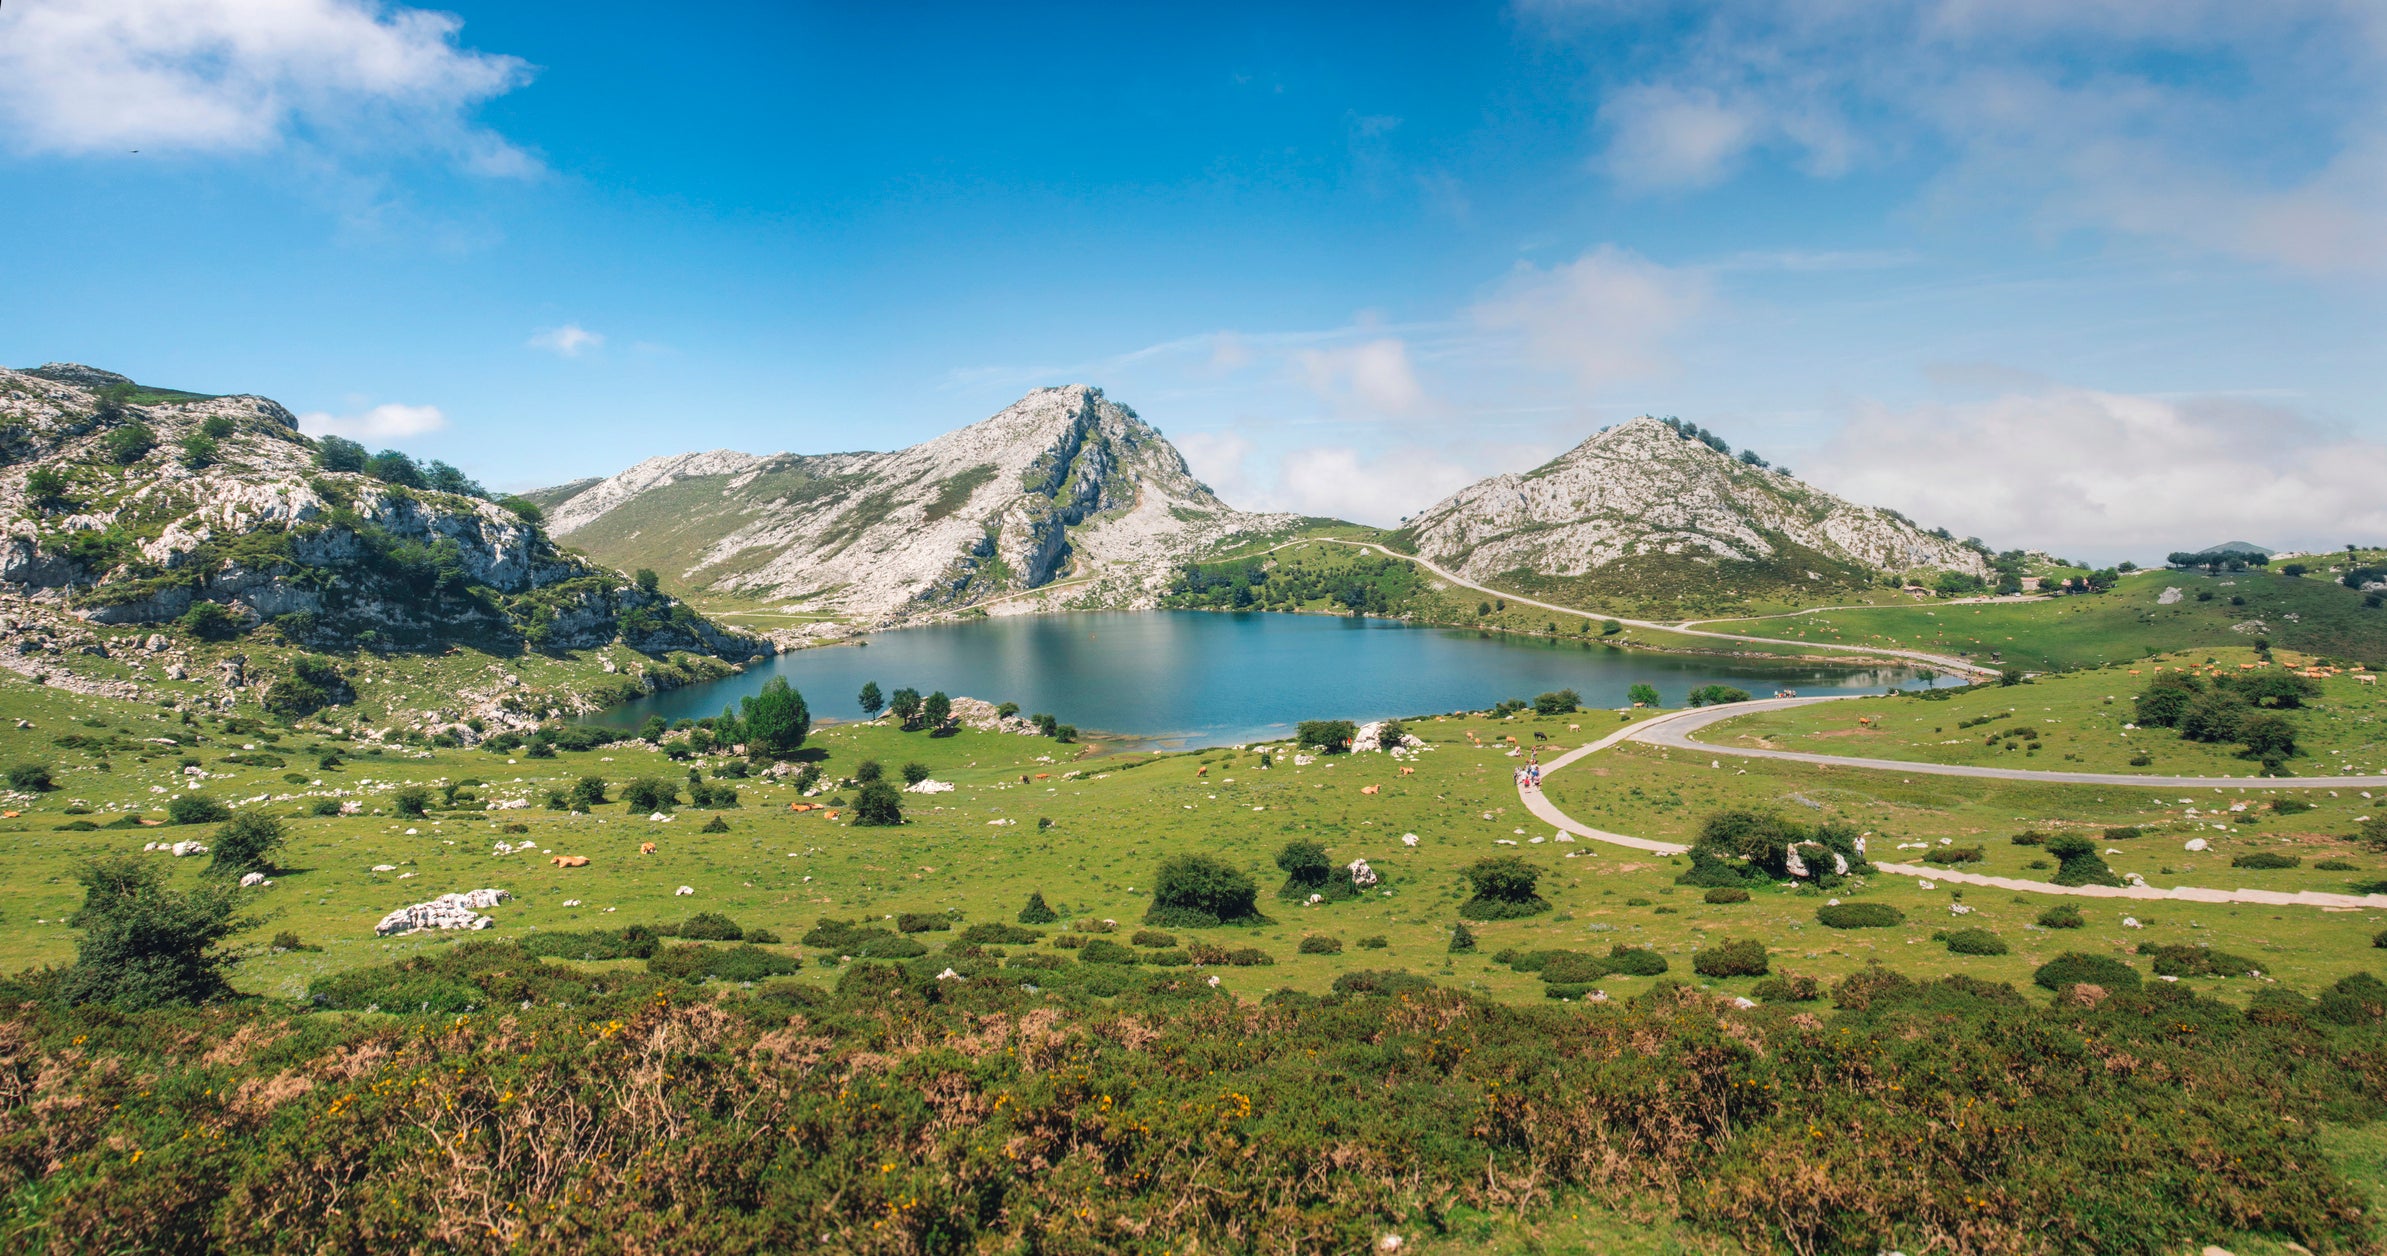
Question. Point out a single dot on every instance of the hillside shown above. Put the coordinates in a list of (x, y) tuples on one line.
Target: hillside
[(1639, 516), (207, 527), (1064, 485)]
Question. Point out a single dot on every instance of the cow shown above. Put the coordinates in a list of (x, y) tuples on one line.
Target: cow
[(1203, 770), (646, 848), (2367, 680), (570, 861), (832, 815), (1541, 736), (1044, 776), (1408, 771), (799, 807), (1368, 789)]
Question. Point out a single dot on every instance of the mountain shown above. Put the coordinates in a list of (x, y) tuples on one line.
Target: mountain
[(122, 505), (1065, 491), (1647, 511)]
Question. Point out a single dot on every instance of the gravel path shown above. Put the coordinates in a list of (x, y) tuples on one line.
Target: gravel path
[(1666, 729)]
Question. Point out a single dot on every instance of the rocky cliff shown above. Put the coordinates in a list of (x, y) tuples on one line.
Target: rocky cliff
[(128, 505), (1642, 498), (1065, 488)]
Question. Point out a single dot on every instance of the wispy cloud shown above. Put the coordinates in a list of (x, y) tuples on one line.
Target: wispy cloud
[(568, 341), (382, 422), (216, 76), (1606, 317)]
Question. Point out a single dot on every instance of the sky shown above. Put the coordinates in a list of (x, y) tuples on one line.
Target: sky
[(2102, 277)]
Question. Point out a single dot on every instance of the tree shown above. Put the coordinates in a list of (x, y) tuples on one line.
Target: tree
[(775, 720), (131, 443), (413, 800), (47, 486), (1643, 694), (198, 451), (651, 794), (189, 808), (2293, 570), (867, 771), (245, 844), (905, 703), (646, 580), (2212, 717), (2166, 699), (872, 700), (1307, 871), (446, 479), (1462, 940), (1036, 913), (526, 510), (1558, 703), (652, 731), (1199, 892), (1609, 627), (1329, 736), (144, 945), (914, 773), (30, 778), (209, 621), (936, 711), (338, 453), (2280, 690), (1504, 888), (1717, 695), (392, 467), (2268, 737), (878, 805), (588, 792)]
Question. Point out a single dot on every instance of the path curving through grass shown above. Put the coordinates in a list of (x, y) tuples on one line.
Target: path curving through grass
[(1670, 730)]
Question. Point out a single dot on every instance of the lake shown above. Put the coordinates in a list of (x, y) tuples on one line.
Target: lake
[(1185, 679)]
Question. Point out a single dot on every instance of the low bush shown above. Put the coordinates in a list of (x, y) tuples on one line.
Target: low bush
[(1951, 855), (1385, 983), (2124, 833), (413, 800), (737, 963), (2174, 960), (1787, 989), (706, 926), (1036, 913), (2265, 860), (1105, 951), (2029, 837), (1859, 916), (196, 809), (1744, 957), (635, 942), (1202, 892), (1970, 941), (1373, 942), (1726, 894), (2337, 865), (30, 778), (1462, 940), (849, 939), (994, 933), (923, 922), (1152, 938), (2076, 968), (1241, 957), (1504, 889), (2061, 916)]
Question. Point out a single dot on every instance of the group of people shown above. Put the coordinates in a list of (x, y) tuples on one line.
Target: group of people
[(1530, 776)]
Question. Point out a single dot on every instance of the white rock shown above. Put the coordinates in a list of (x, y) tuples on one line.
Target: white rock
[(2196, 843), (948, 975), (1362, 875), (253, 878), (1408, 839), (684, 891), (181, 849), (2131, 922), (385, 867)]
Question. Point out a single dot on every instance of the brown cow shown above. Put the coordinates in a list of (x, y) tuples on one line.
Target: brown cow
[(1044, 776), (1203, 770), (1367, 789), (832, 815), (646, 848), (1408, 771), (570, 861), (799, 806)]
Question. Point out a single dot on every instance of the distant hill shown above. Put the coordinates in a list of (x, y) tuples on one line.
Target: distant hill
[(1643, 514), (1063, 485), (2237, 547)]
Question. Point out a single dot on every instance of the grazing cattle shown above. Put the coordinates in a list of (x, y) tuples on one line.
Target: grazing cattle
[(1203, 770), (1044, 776), (1574, 728), (799, 806), (570, 861), (646, 848), (832, 815), (1541, 736), (2368, 680), (1408, 771), (1367, 789)]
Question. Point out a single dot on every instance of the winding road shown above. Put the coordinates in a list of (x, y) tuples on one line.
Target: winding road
[(1670, 730)]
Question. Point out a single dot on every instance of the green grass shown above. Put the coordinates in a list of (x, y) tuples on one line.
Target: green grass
[(2311, 615), (2080, 719)]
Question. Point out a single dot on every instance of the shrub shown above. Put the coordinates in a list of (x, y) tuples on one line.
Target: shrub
[(1559, 702), (1380, 982), (2337, 865), (1462, 940), (1504, 887), (1860, 916), (2372, 833), (1373, 942), (706, 926), (1201, 892), (2061, 916), (1329, 736), (196, 809), (145, 945), (1726, 894), (738, 963), (2029, 837), (1742, 958), (30, 778), (2078, 863), (878, 805), (2074, 968), (2124, 833), (651, 794), (1749, 848), (867, 771), (2197, 961), (845, 937), (714, 825), (2265, 860), (2290, 806), (995, 933), (1104, 951), (923, 922), (1970, 941), (2358, 999), (1153, 938), (914, 773), (1308, 871), (245, 844), (1949, 855), (1036, 913), (1787, 989), (324, 807), (413, 800), (1320, 944)]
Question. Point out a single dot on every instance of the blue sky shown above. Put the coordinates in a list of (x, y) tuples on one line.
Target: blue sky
[(2097, 276)]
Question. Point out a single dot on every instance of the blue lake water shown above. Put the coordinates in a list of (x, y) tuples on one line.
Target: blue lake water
[(1177, 679)]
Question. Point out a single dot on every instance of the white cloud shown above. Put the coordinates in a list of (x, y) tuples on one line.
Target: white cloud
[(1336, 480), (2252, 131), (382, 422), (569, 340), (1606, 317), (1374, 377), (105, 76), (1221, 460), (2113, 475)]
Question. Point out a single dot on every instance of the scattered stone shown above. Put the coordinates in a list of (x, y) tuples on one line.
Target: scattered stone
[(253, 878), (1362, 875), (684, 891), (448, 911)]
